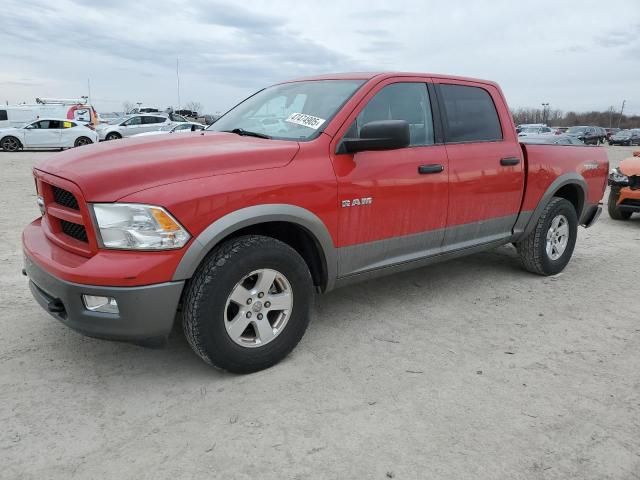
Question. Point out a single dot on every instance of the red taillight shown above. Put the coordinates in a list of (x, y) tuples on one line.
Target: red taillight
[(90, 125)]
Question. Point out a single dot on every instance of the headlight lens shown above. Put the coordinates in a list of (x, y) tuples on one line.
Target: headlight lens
[(618, 177), (133, 226)]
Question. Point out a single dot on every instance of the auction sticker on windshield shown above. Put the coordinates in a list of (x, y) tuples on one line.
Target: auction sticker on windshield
[(305, 120)]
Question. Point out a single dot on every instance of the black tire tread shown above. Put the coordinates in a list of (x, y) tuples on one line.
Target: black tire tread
[(204, 276), (530, 249)]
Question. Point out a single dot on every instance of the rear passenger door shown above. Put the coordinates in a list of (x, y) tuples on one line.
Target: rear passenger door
[(151, 123), (486, 176), (392, 203)]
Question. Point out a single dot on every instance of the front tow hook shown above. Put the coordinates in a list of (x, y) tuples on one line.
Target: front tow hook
[(55, 306)]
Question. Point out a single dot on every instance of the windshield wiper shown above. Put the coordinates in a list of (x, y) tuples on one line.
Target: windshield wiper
[(247, 133)]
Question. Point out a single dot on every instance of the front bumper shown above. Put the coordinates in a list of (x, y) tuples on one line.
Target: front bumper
[(629, 200), (146, 313)]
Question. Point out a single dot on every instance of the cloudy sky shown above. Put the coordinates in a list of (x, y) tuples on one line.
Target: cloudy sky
[(576, 55)]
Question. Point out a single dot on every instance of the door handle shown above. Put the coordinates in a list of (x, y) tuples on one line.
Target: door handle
[(432, 168), (509, 161)]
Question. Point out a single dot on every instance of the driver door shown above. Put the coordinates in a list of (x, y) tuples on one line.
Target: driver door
[(43, 134), (393, 203), (132, 126)]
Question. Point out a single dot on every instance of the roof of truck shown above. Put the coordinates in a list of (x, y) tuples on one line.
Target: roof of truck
[(384, 75)]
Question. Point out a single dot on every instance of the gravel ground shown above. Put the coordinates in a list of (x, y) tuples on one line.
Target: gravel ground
[(472, 369)]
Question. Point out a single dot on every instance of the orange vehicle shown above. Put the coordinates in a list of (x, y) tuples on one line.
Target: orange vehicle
[(624, 197)]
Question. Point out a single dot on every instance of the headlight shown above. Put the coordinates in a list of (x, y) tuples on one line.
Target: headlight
[(618, 178), (133, 226)]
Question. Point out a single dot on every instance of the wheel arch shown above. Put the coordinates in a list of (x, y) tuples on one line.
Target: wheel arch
[(296, 226), (570, 186)]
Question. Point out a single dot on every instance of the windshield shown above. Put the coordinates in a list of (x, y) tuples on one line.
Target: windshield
[(576, 130), (291, 111)]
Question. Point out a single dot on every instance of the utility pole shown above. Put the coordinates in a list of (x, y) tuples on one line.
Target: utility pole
[(178, 80), (545, 107), (621, 110), (611, 116)]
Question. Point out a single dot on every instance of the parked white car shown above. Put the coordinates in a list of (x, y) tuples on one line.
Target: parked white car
[(132, 126), (47, 133), (184, 127), (536, 130)]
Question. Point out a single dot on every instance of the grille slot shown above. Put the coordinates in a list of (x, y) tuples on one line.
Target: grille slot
[(65, 198), (74, 230)]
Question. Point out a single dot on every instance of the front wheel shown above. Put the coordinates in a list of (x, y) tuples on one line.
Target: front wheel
[(10, 144), (612, 206), (248, 304), (548, 248)]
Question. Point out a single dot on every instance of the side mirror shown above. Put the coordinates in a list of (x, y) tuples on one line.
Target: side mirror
[(378, 135)]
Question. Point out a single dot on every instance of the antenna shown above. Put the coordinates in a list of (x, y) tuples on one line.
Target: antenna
[(89, 89)]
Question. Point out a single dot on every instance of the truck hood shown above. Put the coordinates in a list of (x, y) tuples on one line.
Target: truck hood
[(108, 171)]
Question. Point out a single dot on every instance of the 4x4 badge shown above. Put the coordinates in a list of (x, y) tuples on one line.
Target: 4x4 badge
[(356, 202)]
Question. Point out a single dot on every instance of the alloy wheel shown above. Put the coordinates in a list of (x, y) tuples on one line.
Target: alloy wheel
[(10, 144), (258, 308), (557, 237)]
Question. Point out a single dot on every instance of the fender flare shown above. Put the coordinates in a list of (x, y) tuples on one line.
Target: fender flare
[(245, 217), (526, 223)]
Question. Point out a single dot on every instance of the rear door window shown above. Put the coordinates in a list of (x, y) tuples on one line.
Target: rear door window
[(149, 120), (469, 114), (3, 115)]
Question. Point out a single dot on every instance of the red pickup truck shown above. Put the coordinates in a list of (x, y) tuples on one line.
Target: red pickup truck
[(305, 186)]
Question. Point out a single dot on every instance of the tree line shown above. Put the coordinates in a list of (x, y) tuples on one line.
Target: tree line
[(558, 118)]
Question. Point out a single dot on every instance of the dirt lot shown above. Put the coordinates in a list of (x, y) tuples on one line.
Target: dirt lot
[(472, 369)]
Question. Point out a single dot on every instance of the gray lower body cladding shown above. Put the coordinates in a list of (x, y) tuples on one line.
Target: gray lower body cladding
[(357, 259), (146, 314)]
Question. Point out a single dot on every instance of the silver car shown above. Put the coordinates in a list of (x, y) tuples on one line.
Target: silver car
[(132, 126)]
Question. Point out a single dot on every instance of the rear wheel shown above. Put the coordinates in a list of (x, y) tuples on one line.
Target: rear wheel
[(80, 141), (10, 144), (248, 304), (548, 248), (612, 206), (113, 136)]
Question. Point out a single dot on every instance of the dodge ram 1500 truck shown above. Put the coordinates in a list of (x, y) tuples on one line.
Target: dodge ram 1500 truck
[(305, 186)]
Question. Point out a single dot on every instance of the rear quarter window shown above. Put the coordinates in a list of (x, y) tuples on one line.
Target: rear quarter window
[(469, 114), (3, 115)]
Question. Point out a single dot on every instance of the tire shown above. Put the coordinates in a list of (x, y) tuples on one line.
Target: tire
[(80, 141), (10, 144), (533, 250), (614, 212), (113, 136), (208, 305)]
